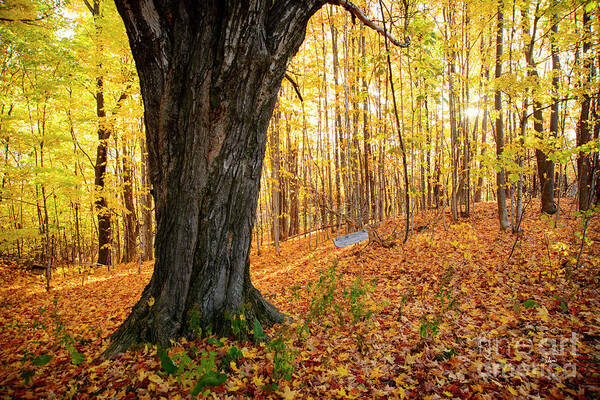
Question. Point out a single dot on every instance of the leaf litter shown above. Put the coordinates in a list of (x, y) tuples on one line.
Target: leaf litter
[(446, 315)]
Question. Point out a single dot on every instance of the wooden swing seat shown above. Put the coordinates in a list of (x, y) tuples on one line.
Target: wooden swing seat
[(351, 238)]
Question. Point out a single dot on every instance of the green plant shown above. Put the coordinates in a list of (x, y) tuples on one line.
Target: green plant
[(323, 291), (206, 374), (327, 301), (35, 360), (356, 296), (239, 325), (295, 289), (195, 320), (448, 301), (283, 358), (447, 354), (529, 304), (65, 338), (166, 363), (233, 355), (257, 332), (429, 328), (215, 342)]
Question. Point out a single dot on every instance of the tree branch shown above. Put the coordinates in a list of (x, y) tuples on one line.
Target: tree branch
[(93, 164), (121, 99), (23, 20), (357, 13), (89, 6), (295, 85)]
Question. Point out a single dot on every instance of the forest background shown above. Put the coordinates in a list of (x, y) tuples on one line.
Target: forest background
[(478, 141), (478, 110)]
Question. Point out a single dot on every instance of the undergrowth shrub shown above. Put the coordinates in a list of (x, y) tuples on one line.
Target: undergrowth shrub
[(283, 362), (201, 369), (333, 302)]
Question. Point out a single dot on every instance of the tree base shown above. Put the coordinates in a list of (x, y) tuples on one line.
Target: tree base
[(549, 208), (147, 324)]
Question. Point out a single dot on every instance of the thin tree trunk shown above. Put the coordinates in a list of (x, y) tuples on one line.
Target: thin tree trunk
[(548, 204), (130, 220), (340, 161), (449, 17), (584, 132), (500, 175), (101, 204), (147, 227), (275, 180), (399, 129)]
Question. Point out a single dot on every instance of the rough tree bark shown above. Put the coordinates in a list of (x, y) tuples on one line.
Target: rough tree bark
[(209, 76)]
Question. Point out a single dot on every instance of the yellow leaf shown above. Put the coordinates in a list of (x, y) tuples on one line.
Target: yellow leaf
[(400, 392), (235, 384), (375, 373), (288, 394), (141, 374), (151, 301), (156, 379), (250, 353), (543, 313), (257, 381), (342, 371), (477, 388), (513, 391)]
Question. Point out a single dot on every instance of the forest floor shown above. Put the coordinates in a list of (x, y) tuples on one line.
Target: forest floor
[(446, 315)]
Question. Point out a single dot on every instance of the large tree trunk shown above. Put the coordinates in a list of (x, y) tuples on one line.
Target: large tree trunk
[(209, 76)]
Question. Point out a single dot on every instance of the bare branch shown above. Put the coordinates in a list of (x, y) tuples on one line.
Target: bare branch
[(357, 13), (121, 99), (23, 20), (89, 6), (295, 85), (93, 164)]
